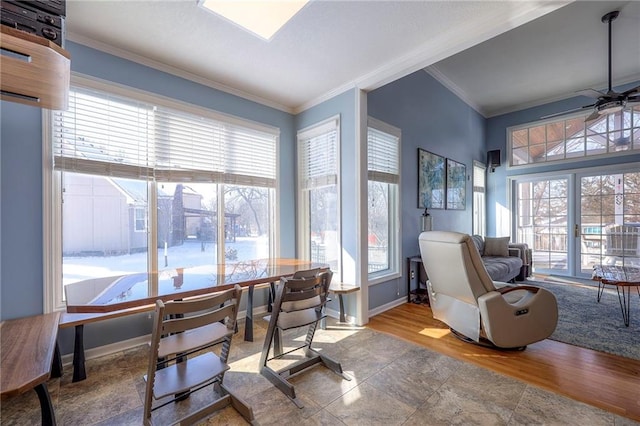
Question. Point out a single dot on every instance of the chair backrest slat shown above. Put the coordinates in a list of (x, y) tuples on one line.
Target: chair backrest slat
[(199, 304), (176, 325)]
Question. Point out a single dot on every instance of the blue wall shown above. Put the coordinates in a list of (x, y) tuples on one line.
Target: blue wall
[(21, 216), (21, 159), (497, 194), (432, 118)]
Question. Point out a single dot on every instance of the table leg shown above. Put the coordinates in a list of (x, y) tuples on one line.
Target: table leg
[(342, 315), (409, 280), (600, 290), (46, 408), (56, 364), (625, 300), (79, 372), (272, 296), (248, 322)]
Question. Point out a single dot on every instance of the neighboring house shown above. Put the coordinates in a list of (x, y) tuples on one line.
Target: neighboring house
[(120, 208), (118, 205)]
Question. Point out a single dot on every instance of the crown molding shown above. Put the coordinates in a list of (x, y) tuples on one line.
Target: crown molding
[(434, 72), (449, 44), (125, 54), (325, 97)]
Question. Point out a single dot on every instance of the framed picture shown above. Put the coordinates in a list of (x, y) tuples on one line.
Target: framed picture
[(431, 180), (456, 185)]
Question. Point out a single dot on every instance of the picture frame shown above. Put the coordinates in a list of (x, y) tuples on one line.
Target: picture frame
[(431, 180), (456, 185)]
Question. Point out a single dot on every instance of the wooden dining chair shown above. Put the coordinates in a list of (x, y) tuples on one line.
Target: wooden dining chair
[(299, 302), (178, 362)]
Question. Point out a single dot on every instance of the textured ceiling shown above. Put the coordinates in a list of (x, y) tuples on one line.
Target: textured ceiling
[(328, 47)]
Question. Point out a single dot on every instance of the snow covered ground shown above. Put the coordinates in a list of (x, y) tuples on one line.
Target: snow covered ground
[(187, 255)]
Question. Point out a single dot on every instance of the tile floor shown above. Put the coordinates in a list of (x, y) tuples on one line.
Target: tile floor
[(394, 383)]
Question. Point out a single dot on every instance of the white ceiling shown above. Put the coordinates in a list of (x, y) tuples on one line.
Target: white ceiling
[(331, 46), (548, 59)]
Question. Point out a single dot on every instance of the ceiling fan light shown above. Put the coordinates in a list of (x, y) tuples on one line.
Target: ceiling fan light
[(611, 107)]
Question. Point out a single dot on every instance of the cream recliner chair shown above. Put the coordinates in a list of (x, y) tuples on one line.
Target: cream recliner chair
[(463, 296)]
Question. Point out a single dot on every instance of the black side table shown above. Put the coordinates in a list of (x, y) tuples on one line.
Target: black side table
[(419, 293)]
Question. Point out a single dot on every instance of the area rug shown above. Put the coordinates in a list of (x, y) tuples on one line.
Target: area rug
[(582, 321)]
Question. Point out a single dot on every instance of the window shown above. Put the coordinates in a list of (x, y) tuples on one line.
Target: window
[(479, 200), (140, 219), (383, 165), (144, 184), (319, 194), (572, 138)]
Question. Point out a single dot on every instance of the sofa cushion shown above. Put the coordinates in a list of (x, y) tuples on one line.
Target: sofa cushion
[(502, 268), (496, 246)]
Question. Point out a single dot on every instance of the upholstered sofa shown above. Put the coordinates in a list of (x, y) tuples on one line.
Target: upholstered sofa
[(503, 260)]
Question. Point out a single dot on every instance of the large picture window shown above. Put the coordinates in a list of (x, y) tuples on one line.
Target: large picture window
[(142, 184), (573, 138), (383, 166)]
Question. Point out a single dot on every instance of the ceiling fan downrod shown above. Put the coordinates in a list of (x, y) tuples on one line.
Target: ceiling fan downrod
[(608, 18)]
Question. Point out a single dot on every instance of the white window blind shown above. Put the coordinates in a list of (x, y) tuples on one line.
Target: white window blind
[(318, 156), (107, 134), (478, 178), (103, 134), (382, 156)]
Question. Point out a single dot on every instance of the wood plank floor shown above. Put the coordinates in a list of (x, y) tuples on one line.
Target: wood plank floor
[(606, 381)]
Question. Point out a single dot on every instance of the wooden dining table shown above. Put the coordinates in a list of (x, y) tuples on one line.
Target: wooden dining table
[(123, 292)]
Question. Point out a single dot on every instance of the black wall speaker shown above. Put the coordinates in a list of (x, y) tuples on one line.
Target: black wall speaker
[(493, 159)]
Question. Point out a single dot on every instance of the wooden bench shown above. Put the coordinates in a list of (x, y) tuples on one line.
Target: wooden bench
[(78, 320), (30, 356)]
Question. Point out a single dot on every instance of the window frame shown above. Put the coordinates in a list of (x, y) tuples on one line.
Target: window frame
[(395, 223), (53, 291), (634, 126), (479, 225), (303, 217)]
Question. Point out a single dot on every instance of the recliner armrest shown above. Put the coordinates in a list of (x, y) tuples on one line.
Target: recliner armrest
[(503, 290)]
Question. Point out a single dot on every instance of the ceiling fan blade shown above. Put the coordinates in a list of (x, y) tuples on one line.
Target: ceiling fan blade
[(557, 114), (631, 91), (591, 93), (633, 100), (594, 115)]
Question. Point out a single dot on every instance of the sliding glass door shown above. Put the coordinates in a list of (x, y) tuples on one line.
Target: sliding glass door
[(575, 221), (542, 222), (608, 219)]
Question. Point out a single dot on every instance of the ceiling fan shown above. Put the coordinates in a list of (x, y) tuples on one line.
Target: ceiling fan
[(610, 101)]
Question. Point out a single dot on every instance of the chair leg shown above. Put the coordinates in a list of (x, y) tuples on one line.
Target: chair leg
[(282, 384), (240, 405)]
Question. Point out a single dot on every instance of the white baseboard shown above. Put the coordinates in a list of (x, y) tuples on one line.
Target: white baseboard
[(382, 308), (109, 349)]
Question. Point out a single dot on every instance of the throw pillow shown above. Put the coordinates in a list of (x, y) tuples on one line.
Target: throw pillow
[(496, 246), (479, 242)]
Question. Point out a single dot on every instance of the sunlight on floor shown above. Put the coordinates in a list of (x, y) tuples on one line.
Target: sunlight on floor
[(351, 394), (435, 333)]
